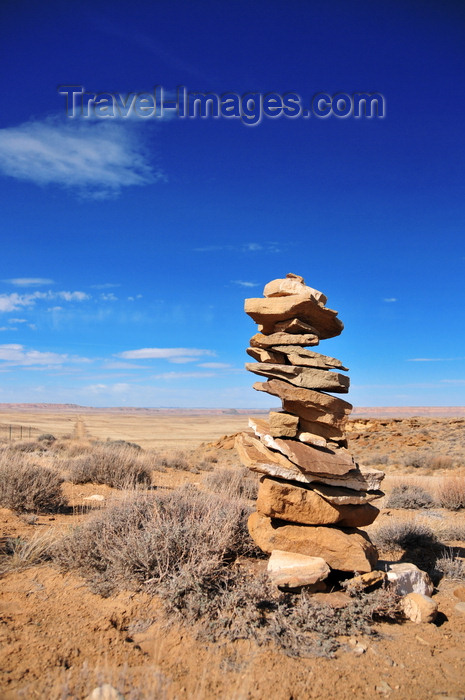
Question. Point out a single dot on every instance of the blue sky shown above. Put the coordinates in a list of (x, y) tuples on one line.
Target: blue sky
[(129, 245)]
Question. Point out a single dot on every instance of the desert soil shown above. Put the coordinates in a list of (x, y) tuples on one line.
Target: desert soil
[(60, 640)]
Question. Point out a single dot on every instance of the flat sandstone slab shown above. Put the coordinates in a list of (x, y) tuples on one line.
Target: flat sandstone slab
[(307, 356), (331, 407), (345, 550), (303, 377), (297, 504), (258, 458), (270, 310), (260, 340)]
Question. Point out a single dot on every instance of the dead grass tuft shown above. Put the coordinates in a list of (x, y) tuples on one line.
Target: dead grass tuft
[(28, 488), (409, 496), (237, 482), (451, 565), (451, 493), (20, 553), (400, 535), (118, 467)]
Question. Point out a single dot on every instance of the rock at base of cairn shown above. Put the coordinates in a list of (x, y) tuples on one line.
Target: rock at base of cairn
[(345, 550), (313, 495)]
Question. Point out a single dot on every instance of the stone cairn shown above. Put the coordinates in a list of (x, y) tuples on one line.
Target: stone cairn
[(313, 496)]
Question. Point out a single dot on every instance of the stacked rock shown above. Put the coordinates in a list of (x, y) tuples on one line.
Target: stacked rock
[(313, 496)]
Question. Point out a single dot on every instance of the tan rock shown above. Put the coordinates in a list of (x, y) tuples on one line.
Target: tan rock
[(290, 570), (263, 355), (316, 460), (259, 340), (305, 377), (328, 432), (309, 357), (297, 504), (408, 578), (343, 496), (312, 405), (369, 581), (460, 593), (419, 608), (270, 310), (345, 550), (294, 325), (292, 284), (257, 457), (311, 439), (283, 424)]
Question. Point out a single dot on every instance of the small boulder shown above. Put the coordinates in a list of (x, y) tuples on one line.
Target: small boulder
[(407, 578), (419, 608), (291, 570)]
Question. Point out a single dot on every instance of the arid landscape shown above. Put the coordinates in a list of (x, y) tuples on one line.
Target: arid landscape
[(90, 597)]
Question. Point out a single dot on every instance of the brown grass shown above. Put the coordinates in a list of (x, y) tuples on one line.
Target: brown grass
[(118, 467), (451, 493), (28, 488)]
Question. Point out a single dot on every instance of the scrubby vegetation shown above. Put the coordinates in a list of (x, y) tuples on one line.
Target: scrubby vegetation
[(118, 467), (410, 497), (238, 482), (26, 487)]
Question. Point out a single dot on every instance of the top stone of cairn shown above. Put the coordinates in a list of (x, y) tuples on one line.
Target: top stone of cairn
[(291, 298)]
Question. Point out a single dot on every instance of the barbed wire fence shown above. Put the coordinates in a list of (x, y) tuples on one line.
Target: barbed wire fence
[(13, 431)]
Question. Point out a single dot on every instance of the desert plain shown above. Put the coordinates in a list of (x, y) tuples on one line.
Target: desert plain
[(72, 622)]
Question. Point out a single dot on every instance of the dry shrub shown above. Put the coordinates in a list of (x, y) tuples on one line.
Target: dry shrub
[(451, 565), (117, 467), (404, 535), (173, 543), (417, 460), (410, 497), (451, 493), (176, 460), (28, 488), (21, 553), (442, 462), (237, 483)]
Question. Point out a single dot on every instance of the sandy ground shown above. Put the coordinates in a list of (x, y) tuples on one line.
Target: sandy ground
[(58, 640)]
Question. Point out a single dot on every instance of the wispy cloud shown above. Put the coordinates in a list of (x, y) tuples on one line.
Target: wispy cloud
[(15, 301), (214, 365), (390, 300), (108, 297), (17, 320), (96, 158), (114, 365), (163, 353), (182, 375), (14, 355), (105, 285), (435, 359), (241, 283), (458, 382), (29, 281), (241, 248)]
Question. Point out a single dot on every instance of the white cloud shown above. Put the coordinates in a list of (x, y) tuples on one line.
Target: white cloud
[(17, 320), (29, 281), (182, 360), (122, 365), (241, 248), (106, 285), (108, 297), (6, 328), (182, 375), (214, 365), (97, 158), (15, 301), (241, 283), (389, 300), (435, 359), (162, 353), (17, 356)]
